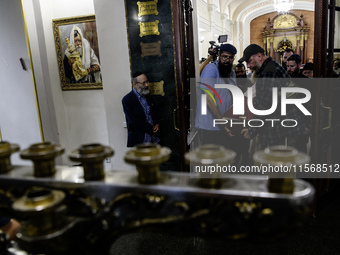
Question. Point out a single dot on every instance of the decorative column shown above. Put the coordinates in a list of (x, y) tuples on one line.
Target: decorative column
[(306, 48), (211, 9), (297, 51), (265, 45), (268, 46), (302, 48), (272, 53)]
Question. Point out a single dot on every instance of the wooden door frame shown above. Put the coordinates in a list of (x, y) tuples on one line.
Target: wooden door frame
[(322, 143), (184, 56)]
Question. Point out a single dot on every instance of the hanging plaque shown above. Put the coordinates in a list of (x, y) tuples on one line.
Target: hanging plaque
[(151, 49), (156, 88), (147, 8), (148, 28)]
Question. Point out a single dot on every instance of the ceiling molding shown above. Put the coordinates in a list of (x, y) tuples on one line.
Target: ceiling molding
[(258, 9)]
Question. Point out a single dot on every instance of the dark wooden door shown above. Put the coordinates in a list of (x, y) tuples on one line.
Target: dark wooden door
[(183, 33), (326, 113)]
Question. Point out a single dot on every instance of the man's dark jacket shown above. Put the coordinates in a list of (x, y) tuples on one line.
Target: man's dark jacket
[(137, 124)]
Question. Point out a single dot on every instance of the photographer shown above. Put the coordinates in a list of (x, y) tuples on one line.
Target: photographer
[(218, 72), (212, 56), (213, 50)]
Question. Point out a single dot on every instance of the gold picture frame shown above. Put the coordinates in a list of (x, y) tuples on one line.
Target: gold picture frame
[(78, 56)]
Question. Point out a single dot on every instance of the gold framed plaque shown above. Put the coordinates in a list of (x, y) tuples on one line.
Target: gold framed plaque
[(147, 8), (156, 88), (148, 28), (151, 49)]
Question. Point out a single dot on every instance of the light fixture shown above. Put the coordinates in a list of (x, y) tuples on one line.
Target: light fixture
[(283, 6)]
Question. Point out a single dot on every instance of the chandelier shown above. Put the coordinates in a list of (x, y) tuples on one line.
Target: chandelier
[(283, 6)]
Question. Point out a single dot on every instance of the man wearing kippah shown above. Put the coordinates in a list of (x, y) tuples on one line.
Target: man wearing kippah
[(219, 72), (308, 70), (271, 75), (141, 116)]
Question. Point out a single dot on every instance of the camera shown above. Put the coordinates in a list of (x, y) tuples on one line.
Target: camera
[(213, 50)]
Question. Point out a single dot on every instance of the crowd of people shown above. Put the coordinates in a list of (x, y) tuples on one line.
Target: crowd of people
[(254, 71), (263, 75)]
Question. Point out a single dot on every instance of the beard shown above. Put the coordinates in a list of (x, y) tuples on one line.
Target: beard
[(241, 76), (284, 65), (224, 70), (79, 49), (143, 91), (257, 67), (293, 74)]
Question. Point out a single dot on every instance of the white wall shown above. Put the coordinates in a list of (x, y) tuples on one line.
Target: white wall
[(211, 24), (113, 45), (19, 122), (80, 115), (73, 118)]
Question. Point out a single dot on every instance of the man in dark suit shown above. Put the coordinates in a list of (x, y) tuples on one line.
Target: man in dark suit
[(141, 118)]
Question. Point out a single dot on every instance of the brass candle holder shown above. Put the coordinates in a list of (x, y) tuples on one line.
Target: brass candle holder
[(45, 209), (210, 155), (92, 158), (281, 161), (43, 157), (6, 149), (147, 158)]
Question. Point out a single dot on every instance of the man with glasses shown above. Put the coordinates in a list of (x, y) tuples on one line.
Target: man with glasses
[(141, 117), (219, 72)]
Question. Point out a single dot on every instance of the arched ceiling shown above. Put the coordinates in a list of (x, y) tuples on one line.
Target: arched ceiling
[(239, 8), (242, 12)]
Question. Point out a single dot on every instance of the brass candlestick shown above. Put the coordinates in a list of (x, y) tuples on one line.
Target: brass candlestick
[(6, 149), (43, 155), (92, 158), (206, 156), (280, 161), (147, 158)]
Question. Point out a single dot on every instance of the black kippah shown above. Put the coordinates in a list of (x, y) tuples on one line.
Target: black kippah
[(136, 74), (308, 66), (295, 57)]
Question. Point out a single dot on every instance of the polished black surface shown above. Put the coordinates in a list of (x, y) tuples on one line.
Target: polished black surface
[(157, 68), (320, 234)]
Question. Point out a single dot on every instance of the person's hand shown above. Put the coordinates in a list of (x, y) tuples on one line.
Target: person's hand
[(71, 61), (212, 51), (245, 133), (155, 128), (228, 131), (93, 69), (11, 229)]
